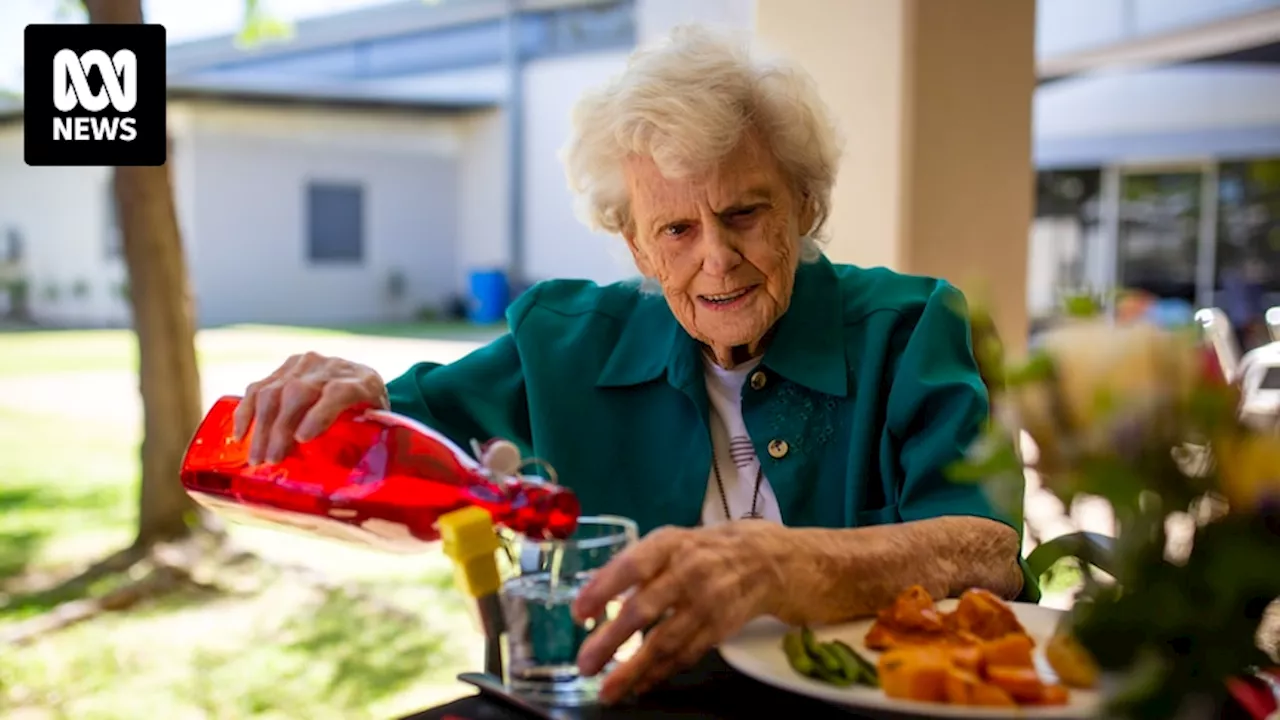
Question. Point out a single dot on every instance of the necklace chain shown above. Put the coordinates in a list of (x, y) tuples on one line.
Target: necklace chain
[(724, 501)]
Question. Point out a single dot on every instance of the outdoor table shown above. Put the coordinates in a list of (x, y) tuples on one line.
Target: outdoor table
[(711, 690)]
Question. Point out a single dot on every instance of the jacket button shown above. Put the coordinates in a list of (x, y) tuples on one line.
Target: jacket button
[(778, 449), (758, 380)]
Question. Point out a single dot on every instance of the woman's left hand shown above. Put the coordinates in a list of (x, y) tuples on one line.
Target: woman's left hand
[(704, 584)]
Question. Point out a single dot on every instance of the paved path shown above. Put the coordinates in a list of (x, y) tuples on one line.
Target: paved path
[(113, 396)]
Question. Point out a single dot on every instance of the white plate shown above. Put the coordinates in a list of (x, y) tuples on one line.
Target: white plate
[(757, 652)]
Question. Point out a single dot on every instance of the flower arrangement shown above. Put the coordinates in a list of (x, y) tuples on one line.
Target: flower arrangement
[(1141, 416)]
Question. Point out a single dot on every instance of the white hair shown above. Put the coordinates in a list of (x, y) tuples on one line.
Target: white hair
[(686, 103)]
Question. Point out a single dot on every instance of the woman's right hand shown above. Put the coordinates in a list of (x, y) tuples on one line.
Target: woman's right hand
[(301, 399)]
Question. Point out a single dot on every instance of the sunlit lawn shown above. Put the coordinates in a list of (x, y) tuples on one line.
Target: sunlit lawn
[(283, 648), (44, 351)]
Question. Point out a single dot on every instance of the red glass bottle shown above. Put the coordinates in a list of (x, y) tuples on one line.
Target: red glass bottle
[(373, 478)]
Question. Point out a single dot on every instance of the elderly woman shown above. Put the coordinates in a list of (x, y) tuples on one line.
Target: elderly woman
[(778, 425)]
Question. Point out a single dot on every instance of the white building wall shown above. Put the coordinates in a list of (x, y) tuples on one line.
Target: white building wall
[(1173, 99), (61, 216), (557, 243), (1064, 26), (249, 254), (1069, 26), (655, 18), (484, 209), (239, 175)]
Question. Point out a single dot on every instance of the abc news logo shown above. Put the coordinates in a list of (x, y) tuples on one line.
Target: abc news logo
[(95, 95), (71, 91)]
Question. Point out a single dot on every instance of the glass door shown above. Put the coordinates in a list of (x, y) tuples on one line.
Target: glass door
[(1064, 239), (1158, 240), (1246, 279), (1158, 233)]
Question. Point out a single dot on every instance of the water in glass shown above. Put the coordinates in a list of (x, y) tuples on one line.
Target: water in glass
[(541, 640)]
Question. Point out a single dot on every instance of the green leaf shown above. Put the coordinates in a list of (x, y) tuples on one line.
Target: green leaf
[(261, 27), (992, 454), (1082, 306), (68, 11), (1111, 478), (1173, 631), (1037, 368)]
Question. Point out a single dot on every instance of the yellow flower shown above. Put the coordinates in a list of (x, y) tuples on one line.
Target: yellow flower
[(1249, 469)]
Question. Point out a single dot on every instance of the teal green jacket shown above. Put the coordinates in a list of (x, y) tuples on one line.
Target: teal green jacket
[(870, 391)]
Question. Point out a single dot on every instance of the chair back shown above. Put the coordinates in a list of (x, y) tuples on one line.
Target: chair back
[(1221, 337)]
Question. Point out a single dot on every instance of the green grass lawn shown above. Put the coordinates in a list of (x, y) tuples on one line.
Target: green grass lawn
[(282, 648)]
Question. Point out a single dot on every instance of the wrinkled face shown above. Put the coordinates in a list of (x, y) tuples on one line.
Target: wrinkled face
[(724, 245)]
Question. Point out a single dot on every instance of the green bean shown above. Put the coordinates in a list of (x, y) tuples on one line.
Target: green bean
[(864, 671), (797, 656), (833, 669), (822, 663), (833, 662), (810, 642)]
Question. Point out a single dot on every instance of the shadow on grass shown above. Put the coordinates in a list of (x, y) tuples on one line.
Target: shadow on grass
[(30, 517), (23, 534), (116, 591), (376, 650), (336, 656), (17, 549), (18, 546)]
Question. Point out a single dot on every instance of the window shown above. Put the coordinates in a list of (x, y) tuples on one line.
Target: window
[(1249, 222), (12, 252), (1067, 212), (1159, 234), (1064, 237), (1247, 272), (335, 222)]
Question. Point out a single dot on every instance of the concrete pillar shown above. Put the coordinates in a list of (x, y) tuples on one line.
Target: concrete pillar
[(933, 99)]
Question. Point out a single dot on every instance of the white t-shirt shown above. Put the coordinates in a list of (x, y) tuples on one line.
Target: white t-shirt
[(733, 451)]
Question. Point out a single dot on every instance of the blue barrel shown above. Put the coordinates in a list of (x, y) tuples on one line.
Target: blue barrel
[(490, 295)]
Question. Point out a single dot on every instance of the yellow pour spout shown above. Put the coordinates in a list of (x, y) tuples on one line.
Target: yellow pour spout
[(470, 541)]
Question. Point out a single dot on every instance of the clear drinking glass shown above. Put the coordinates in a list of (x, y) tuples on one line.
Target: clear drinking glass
[(541, 640)]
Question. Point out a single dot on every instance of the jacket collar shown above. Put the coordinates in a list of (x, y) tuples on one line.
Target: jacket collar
[(807, 347)]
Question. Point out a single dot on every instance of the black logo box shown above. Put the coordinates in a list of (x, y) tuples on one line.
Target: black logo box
[(149, 147)]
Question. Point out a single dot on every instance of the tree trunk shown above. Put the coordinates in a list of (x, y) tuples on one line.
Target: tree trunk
[(163, 322)]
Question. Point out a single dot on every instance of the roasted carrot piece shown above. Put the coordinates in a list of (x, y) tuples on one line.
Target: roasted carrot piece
[(959, 686), (1073, 664), (983, 614), (1013, 650), (968, 657), (966, 688), (1022, 683), (914, 674), (1054, 695), (989, 695)]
